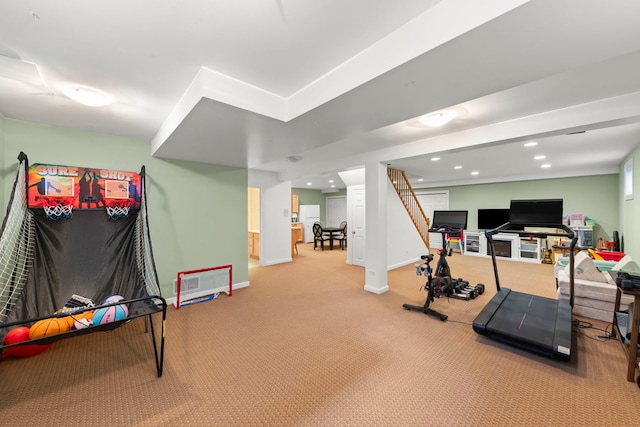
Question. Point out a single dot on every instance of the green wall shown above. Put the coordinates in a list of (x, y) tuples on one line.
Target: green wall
[(594, 196), (630, 209), (197, 212)]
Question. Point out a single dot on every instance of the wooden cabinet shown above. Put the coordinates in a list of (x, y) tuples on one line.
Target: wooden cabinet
[(254, 244), (295, 206)]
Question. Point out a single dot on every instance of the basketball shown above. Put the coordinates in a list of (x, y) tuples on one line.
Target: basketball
[(82, 320), (17, 335), (111, 299), (48, 327), (68, 319), (109, 314)]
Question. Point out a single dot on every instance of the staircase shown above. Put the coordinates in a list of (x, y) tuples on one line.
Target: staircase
[(410, 202)]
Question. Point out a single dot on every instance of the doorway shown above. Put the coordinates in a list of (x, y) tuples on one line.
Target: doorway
[(336, 210), (434, 201), (253, 226)]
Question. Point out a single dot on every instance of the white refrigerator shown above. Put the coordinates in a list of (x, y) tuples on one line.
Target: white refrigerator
[(308, 215)]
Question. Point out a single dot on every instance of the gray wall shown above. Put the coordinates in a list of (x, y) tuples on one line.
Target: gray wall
[(197, 212)]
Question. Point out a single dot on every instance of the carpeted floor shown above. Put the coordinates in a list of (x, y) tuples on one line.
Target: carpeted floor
[(305, 345)]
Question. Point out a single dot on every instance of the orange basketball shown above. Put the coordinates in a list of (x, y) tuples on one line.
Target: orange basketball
[(47, 327), (68, 319)]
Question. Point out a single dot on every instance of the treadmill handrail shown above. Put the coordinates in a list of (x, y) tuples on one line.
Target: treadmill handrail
[(568, 232)]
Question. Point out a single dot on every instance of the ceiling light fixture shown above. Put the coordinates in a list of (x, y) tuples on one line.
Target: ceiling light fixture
[(475, 173), (545, 166), (438, 119), (88, 96), (309, 183), (457, 167), (540, 157), (531, 144), (435, 159)]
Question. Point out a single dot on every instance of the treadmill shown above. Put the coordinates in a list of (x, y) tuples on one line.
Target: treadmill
[(537, 324)]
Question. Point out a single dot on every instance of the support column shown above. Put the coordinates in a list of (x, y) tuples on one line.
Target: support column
[(376, 232)]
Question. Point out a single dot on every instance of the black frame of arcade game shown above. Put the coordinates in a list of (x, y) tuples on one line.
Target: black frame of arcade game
[(81, 250)]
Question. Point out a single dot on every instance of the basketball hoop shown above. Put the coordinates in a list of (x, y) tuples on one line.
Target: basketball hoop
[(56, 208), (117, 208)]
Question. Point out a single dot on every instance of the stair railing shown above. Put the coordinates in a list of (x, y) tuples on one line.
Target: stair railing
[(410, 201)]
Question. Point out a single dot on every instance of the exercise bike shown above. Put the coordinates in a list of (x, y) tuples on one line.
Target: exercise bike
[(441, 284)]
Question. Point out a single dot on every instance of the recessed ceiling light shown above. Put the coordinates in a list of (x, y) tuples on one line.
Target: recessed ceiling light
[(438, 119), (309, 183), (545, 166), (457, 167), (435, 159), (475, 173), (333, 186), (420, 179), (331, 181), (531, 144), (540, 157), (88, 96)]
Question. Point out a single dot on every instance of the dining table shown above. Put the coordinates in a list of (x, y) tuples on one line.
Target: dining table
[(332, 231)]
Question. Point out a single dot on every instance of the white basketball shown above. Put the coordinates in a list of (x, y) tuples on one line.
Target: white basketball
[(82, 323), (112, 298)]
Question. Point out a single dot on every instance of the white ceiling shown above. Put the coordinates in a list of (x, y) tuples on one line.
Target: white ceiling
[(339, 83)]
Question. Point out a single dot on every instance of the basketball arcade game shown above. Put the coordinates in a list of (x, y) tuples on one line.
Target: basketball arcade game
[(77, 234)]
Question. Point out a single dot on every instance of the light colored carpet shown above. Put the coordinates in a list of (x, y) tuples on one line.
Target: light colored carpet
[(305, 345)]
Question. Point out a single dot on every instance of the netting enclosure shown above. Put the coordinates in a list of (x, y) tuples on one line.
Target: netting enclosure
[(47, 260)]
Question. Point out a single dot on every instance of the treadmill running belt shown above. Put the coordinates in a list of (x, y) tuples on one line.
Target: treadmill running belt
[(531, 322)]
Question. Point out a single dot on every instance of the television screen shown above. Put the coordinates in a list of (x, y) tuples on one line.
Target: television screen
[(543, 212), (457, 220), (488, 219)]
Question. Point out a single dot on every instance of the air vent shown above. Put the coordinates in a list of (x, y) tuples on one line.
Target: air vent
[(189, 284)]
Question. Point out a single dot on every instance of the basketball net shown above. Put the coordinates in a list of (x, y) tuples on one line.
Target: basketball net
[(117, 208), (56, 208)]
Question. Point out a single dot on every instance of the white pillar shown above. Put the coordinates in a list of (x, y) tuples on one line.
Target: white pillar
[(376, 220)]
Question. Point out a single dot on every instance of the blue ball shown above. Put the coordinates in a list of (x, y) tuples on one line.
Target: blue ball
[(109, 314)]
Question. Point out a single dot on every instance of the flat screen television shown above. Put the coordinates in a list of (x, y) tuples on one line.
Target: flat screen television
[(488, 219), (457, 220), (532, 213)]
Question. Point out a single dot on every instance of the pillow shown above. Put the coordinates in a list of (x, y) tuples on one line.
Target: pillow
[(586, 269), (627, 262)]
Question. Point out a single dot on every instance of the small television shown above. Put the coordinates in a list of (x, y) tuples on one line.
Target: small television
[(488, 219), (456, 220), (536, 213)]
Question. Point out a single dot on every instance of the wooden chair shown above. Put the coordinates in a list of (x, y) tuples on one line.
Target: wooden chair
[(342, 237), (318, 236)]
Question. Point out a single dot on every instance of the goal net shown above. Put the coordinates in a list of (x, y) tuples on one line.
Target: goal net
[(204, 284), (17, 237)]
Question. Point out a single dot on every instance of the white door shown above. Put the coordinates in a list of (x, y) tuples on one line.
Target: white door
[(434, 201), (356, 214), (336, 210)]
